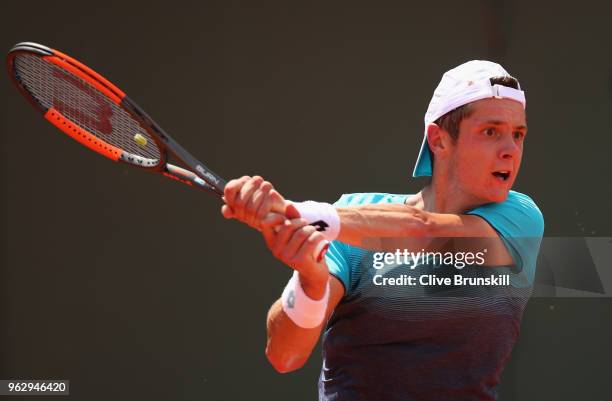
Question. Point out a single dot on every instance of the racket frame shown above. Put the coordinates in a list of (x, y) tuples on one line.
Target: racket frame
[(198, 176)]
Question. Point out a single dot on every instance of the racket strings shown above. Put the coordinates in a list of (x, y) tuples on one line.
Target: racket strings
[(84, 105)]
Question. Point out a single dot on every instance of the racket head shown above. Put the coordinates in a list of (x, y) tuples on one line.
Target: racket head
[(84, 105)]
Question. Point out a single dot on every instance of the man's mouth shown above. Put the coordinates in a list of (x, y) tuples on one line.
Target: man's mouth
[(502, 175)]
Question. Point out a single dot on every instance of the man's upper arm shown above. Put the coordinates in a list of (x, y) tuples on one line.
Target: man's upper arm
[(479, 235), (520, 225), (514, 229), (336, 292)]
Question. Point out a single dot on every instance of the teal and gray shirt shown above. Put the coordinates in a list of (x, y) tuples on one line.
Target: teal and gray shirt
[(422, 342)]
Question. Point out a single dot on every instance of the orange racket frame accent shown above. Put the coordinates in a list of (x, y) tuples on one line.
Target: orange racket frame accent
[(91, 72), (92, 142), (88, 75)]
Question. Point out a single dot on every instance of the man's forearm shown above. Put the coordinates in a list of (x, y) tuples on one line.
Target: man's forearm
[(289, 345), (391, 227), (362, 223)]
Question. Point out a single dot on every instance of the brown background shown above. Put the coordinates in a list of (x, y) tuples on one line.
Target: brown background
[(134, 287)]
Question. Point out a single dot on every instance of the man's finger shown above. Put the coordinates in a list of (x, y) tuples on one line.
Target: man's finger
[(298, 237), (244, 196), (314, 243), (252, 209), (227, 212), (277, 202), (284, 235), (272, 220), (291, 212), (266, 205), (268, 224), (232, 188)]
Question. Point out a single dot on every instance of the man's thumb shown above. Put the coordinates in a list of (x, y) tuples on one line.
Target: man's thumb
[(291, 212)]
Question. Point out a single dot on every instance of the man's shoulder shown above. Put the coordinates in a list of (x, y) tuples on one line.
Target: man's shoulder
[(368, 198), (514, 196), (524, 202), (518, 209)]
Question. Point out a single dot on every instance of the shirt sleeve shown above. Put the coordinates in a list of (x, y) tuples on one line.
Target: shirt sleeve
[(338, 264), (342, 258), (337, 254), (520, 225)]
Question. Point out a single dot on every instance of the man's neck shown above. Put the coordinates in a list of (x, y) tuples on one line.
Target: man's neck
[(444, 196)]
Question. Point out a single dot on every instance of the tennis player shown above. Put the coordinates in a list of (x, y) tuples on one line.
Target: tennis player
[(423, 342)]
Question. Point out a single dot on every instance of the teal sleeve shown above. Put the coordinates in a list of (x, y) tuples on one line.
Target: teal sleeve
[(520, 225), (336, 256), (340, 257), (338, 264)]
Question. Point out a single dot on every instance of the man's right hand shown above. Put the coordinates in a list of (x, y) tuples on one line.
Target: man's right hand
[(251, 199), (294, 242), (255, 202)]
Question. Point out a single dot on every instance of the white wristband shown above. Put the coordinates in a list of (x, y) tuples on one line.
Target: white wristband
[(321, 215), (301, 309)]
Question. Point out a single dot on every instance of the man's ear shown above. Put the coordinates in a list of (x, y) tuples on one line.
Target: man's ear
[(438, 139)]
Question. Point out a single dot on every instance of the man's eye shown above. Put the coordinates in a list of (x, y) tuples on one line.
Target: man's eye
[(518, 135), (489, 132)]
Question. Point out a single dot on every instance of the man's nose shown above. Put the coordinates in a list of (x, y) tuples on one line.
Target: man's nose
[(509, 149)]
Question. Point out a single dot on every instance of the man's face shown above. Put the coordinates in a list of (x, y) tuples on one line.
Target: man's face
[(486, 157)]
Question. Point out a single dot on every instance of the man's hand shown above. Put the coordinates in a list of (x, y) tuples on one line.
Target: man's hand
[(293, 242), (250, 200)]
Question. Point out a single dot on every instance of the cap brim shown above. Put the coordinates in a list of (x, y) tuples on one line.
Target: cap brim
[(423, 167)]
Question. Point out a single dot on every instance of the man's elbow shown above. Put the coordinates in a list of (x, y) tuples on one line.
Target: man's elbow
[(422, 224), (285, 363)]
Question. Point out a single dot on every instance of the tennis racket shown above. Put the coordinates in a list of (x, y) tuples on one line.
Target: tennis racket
[(90, 109)]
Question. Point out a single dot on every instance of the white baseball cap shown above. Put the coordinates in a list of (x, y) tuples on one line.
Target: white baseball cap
[(464, 84)]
